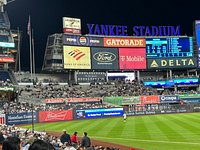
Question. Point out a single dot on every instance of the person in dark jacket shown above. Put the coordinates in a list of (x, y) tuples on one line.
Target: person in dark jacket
[(65, 137), (1, 138), (85, 142)]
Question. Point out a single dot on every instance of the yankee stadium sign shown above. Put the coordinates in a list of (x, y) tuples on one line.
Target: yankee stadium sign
[(117, 30)]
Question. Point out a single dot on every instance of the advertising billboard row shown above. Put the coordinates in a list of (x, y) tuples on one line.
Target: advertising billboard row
[(102, 42), (79, 57), (142, 100)]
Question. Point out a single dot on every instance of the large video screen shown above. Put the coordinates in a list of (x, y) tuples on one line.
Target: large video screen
[(169, 47)]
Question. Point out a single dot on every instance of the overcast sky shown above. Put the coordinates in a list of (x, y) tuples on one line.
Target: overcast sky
[(46, 17)]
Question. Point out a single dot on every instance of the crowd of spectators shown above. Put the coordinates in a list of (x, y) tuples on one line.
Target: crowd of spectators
[(118, 88), (13, 107), (15, 138)]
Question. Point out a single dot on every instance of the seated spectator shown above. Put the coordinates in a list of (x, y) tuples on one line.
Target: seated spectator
[(11, 143), (41, 145)]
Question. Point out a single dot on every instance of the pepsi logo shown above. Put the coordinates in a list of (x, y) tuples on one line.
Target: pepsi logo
[(82, 40)]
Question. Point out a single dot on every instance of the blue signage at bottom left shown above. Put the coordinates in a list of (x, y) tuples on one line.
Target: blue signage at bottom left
[(21, 118)]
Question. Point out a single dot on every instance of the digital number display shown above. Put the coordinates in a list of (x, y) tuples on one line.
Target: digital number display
[(169, 47)]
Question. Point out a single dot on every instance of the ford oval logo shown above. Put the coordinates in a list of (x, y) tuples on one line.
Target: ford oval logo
[(104, 56)]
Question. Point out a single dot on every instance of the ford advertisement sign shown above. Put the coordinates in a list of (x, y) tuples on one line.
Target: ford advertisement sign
[(169, 99), (99, 113)]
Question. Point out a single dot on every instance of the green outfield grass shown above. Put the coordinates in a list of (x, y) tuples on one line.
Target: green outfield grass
[(155, 132)]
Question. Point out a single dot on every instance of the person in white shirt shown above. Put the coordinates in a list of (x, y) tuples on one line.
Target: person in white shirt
[(125, 117)]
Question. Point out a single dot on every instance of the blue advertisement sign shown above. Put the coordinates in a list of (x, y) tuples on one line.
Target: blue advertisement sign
[(21, 118), (169, 99), (186, 81), (82, 40), (99, 113)]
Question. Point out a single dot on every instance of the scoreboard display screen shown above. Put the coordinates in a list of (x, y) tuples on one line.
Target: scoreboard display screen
[(169, 47)]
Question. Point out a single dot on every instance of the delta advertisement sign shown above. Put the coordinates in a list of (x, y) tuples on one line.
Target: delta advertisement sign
[(132, 58), (164, 63), (55, 115)]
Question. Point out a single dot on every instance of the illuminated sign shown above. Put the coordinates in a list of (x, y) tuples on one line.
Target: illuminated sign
[(7, 45), (104, 58), (117, 30), (155, 83), (124, 42), (186, 81), (197, 30), (82, 40), (71, 25), (76, 57), (169, 47), (132, 58), (172, 63), (7, 59), (91, 77)]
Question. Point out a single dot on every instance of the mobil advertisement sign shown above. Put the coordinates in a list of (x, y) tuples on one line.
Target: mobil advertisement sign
[(76, 57), (169, 99), (132, 58), (82, 40), (104, 58), (152, 99), (99, 113), (21, 118), (55, 115)]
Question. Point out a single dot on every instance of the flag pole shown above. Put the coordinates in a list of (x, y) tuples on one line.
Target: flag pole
[(33, 48), (30, 47), (19, 53)]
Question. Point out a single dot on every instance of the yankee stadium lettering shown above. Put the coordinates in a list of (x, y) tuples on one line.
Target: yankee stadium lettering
[(116, 30)]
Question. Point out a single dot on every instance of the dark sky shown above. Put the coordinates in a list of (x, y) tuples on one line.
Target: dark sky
[(46, 17)]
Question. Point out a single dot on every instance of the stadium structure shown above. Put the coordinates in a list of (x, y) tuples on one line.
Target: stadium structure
[(91, 58)]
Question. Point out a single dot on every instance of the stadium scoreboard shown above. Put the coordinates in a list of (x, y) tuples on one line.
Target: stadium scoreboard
[(169, 47)]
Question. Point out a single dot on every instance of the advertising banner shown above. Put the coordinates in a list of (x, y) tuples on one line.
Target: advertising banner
[(113, 100), (7, 88), (152, 99), (169, 99), (85, 99), (21, 118), (2, 119), (71, 25), (7, 59), (130, 100), (54, 100), (91, 77), (132, 58), (164, 63), (104, 58), (124, 42), (82, 40), (55, 115), (99, 113), (76, 57)]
